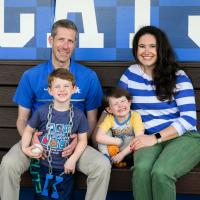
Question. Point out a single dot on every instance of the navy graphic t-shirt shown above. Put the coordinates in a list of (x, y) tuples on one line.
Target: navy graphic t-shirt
[(59, 129)]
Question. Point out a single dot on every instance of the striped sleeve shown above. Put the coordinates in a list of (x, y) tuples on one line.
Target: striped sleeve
[(185, 100)]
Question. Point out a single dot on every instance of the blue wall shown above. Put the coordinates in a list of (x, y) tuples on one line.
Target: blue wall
[(105, 26)]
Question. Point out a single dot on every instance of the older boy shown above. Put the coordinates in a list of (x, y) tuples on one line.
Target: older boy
[(57, 121)]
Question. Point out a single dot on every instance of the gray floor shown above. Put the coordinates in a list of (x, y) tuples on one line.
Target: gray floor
[(27, 194)]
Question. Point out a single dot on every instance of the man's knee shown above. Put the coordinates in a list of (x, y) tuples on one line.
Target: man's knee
[(14, 163), (8, 163), (103, 166), (106, 165)]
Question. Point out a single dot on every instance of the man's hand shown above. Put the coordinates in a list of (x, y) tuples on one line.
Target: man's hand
[(67, 151), (35, 139)]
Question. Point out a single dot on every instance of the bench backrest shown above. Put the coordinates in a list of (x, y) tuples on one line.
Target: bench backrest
[(108, 72)]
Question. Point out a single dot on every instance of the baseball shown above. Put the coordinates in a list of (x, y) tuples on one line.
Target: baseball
[(38, 149)]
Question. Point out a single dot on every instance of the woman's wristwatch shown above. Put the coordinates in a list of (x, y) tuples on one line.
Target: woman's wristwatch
[(158, 137)]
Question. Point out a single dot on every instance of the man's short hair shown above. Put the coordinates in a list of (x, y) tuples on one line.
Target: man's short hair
[(63, 23)]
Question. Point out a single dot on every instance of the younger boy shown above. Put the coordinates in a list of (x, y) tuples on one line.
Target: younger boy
[(53, 177), (119, 127)]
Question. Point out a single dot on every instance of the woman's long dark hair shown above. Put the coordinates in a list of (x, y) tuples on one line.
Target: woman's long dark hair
[(164, 73)]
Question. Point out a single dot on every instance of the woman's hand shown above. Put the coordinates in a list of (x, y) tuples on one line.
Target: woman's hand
[(142, 141)]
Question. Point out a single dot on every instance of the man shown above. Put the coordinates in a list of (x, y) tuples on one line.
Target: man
[(32, 93)]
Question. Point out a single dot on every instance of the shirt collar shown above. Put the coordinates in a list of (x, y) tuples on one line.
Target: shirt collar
[(51, 67)]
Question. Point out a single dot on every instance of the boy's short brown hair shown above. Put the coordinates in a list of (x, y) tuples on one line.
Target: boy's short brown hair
[(115, 92), (61, 73)]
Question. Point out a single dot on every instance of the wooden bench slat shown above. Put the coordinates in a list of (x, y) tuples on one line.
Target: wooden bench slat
[(8, 117), (7, 94), (14, 70), (9, 137)]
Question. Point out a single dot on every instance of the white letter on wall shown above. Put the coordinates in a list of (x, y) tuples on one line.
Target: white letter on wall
[(16, 39), (90, 38), (193, 29), (142, 16)]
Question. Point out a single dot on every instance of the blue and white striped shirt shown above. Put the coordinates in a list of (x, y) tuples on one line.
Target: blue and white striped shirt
[(158, 115)]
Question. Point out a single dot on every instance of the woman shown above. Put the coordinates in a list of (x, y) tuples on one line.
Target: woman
[(164, 96)]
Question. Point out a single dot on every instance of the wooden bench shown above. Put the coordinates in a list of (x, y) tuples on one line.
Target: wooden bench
[(109, 74)]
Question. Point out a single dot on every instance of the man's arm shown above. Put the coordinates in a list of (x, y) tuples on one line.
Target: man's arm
[(23, 115), (92, 121)]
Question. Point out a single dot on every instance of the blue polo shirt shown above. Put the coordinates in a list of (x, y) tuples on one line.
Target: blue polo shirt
[(32, 90)]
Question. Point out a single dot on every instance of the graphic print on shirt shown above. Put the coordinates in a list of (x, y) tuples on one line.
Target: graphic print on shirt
[(122, 130), (59, 134)]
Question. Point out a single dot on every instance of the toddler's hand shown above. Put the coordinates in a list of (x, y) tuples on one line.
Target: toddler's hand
[(118, 158)]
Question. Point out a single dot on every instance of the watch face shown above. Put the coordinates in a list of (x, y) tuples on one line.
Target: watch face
[(158, 135)]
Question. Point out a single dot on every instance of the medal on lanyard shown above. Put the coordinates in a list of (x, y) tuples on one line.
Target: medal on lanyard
[(51, 180)]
